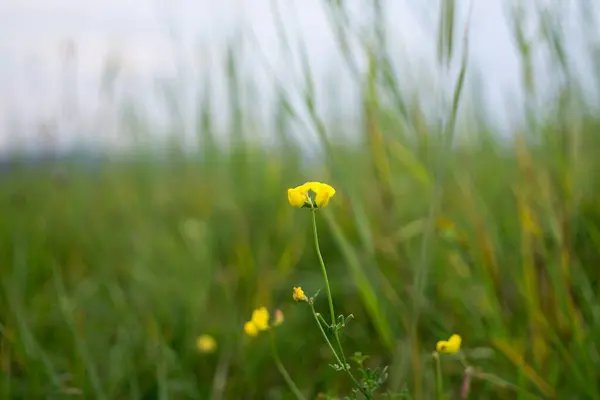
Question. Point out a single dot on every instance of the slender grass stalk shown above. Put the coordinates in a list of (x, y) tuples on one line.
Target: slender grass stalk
[(286, 376), (465, 387), (83, 349), (427, 243), (5, 363), (439, 385)]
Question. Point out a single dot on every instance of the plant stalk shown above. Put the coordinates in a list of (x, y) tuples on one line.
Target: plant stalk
[(283, 371)]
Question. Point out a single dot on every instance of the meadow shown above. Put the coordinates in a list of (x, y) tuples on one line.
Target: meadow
[(111, 271)]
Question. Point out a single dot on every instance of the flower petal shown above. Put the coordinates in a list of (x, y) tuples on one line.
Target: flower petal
[(451, 345), (323, 194), (297, 197), (260, 318), (250, 329)]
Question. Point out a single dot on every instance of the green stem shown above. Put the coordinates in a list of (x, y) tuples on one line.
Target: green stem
[(324, 271), (322, 320), (439, 387), (341, 361), (283, 371), (337, 358), (343, 364)]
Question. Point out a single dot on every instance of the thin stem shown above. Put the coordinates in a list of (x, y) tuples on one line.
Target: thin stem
[(322, 319), (341, 361), (337, 358), (466, 384), (367, 395), (324, 271), (439, 387), (283, 371)]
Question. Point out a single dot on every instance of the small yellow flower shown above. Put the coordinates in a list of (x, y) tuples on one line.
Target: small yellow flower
[(206, 344), (451, 345), (260, 318), (300, 196), (258, 322), (278, 320), (298, 294), (250, 329)]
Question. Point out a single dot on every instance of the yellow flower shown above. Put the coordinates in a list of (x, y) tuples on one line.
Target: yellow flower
[(297, 197), (298, 294), (300, 196), (250, 329), (260, 318), (278, 320), (258, 322), (206, 344), (451, 345)]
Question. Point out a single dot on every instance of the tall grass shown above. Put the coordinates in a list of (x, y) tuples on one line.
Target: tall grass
[(110, 273)]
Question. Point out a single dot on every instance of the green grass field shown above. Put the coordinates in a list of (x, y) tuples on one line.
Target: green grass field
[(109, 274)]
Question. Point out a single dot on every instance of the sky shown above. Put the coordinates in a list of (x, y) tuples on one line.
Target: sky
[(54, 58)]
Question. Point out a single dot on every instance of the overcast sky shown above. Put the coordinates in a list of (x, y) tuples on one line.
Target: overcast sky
[(183, 40)]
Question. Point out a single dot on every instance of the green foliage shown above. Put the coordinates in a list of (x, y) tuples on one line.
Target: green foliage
[(109, 274)]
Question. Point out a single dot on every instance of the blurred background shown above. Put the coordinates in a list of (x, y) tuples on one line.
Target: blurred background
[(146, 148)]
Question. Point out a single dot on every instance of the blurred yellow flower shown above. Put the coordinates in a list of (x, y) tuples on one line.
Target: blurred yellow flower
[(206, 344), (300, 195), (258, 322), (278, 319), (260, 318), (298, 294), (250, 329), (451, 345)]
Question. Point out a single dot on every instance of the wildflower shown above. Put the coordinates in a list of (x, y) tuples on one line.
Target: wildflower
[(451, 345), (250, 329), (260, 318), (297, 197), (300, 196), (278, 320), (258, 322), (206, 344), (298, 294)]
